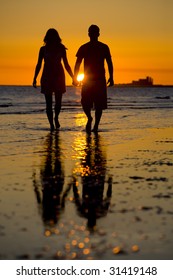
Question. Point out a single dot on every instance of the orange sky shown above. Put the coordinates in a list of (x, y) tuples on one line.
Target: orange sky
[(139, 34)]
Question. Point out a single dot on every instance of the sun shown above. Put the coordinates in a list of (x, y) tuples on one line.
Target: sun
[(80, 77)]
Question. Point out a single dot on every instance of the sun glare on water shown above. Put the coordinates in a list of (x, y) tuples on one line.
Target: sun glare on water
[(80, 77)]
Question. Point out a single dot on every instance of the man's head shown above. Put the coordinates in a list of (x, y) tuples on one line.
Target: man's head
[(93, 32)]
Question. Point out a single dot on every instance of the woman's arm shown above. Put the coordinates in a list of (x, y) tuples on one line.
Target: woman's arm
[(67, 66), (38, 67)]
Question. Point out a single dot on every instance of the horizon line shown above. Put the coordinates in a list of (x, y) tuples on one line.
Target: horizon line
[(119, 84)]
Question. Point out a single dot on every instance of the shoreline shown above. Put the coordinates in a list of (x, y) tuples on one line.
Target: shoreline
[(139, 161)]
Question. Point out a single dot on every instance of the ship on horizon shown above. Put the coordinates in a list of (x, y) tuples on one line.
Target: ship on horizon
[(146, 82)]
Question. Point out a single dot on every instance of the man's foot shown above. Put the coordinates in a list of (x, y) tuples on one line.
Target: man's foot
[(88, 125), (57, 124), (52, 128)]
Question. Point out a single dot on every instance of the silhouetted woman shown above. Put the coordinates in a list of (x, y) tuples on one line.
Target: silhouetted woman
[(53, 76)]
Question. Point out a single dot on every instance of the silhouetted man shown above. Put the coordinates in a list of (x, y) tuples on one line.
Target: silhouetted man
[(94, 89)]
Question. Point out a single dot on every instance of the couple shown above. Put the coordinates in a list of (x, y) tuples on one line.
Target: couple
[(94, 90)]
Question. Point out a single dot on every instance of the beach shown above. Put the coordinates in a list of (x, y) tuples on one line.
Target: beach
[(69, 195)]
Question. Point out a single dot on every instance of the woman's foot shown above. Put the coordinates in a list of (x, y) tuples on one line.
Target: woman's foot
[(95, 129)]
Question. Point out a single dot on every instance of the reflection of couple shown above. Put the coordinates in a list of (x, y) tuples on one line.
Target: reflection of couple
[(94, 91), (50, 195)]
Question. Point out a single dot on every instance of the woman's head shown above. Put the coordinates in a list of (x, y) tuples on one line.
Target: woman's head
[(52, 37)]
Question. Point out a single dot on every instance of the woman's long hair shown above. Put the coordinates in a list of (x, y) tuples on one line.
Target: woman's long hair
[(52, 37)]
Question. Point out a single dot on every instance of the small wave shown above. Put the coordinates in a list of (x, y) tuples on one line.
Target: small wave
[(163, 97), (6, 105), (140, 107), (23, 112)]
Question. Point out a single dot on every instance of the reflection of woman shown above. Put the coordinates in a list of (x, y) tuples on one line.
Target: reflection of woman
[(53, 77), (51, 198), (93, 205)]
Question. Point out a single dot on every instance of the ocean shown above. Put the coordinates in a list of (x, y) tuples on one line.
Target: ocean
[(152, 106)]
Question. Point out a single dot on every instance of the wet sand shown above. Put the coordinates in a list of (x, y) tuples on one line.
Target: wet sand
[(68, 195)]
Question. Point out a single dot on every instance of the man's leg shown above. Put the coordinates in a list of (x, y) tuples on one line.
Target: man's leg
[(48, 98), (58, 101), (87, 105), (98, 114), (89, 122)]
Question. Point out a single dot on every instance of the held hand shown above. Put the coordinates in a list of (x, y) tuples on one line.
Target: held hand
[(34, 83), (110, 82), (75, 82)]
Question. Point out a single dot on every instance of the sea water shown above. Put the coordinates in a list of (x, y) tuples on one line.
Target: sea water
[(152, 106)]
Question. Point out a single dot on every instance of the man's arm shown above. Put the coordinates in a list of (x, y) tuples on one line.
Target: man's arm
[(110, 69), (76, 70)]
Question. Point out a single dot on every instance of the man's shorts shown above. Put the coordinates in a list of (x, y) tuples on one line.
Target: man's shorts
[(94, 95)]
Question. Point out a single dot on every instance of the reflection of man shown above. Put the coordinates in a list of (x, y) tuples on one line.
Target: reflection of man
[(94, 89), (93, 205)]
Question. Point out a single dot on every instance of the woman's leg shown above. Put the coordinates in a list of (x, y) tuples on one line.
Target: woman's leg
[(58, 101), (89, 122), (49, 112)]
